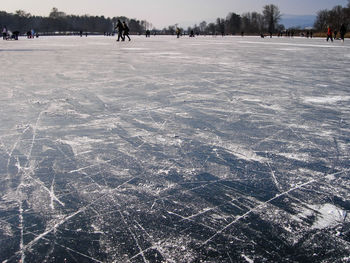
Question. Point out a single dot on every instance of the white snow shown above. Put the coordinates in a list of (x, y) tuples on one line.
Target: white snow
[(327, 100), (247, 259), (327, 215)]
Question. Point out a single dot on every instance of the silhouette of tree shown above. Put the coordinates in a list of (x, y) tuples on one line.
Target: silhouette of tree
[(321, 21), (211, 28), (220, 26), (58, 21), (272, 16), (203, 27), (334, 17), (233, 23)]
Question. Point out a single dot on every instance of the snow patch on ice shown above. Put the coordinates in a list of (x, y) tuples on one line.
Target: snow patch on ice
[(60, 109), (327, 215), (247, 259), (134, 48), (296, 156), (80, 144), (5, 228), (326, 100)]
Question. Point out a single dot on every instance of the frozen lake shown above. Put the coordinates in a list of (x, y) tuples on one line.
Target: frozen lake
[(174, 150)]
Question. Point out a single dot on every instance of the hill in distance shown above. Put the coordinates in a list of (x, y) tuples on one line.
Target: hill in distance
[(301, 21)]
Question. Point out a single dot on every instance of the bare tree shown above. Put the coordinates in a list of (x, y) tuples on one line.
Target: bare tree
[(336, 16), (272, 16), (220, 26), (203, 26), (233, 23), (56, 14), (321, 21)]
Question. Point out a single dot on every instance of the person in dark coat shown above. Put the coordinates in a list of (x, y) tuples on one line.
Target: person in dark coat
[(126, 31), (120, 29), (342, 32), (4, 33)]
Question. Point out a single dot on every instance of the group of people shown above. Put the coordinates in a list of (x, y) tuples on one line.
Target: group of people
[(123, 30), (8, 35), (330, 33)]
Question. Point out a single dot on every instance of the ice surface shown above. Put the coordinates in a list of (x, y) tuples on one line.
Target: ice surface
[(202, 149)]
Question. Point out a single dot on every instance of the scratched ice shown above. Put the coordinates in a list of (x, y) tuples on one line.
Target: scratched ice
[(174, 150)]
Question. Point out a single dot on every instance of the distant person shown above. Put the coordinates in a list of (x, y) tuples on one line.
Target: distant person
[(335, 34), (342, 32), (148, 33), (15, 35), (242, 34), (81, 33), (311, 33), (192, 33), (4, 33), (120, 29), (329, 34), (126, 31), (178, 32)]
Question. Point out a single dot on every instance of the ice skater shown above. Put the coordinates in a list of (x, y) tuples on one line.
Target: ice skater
[(120, 29), (178, 32), (329, 34), (342, 32), (4, 33), (126, 31)]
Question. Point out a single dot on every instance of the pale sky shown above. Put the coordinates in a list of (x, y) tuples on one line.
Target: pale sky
[(163, 13)]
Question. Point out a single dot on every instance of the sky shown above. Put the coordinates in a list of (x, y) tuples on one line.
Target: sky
[(162, 13)]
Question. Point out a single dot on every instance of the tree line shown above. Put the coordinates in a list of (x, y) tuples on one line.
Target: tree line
[(250, 23), (334, 18), (60, 22)]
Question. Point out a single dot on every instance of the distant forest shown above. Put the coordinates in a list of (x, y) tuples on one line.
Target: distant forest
[(60, 22), (334, 18), (267, 21), (250, 23)]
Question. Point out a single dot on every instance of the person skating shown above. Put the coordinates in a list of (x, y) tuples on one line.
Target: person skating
[(120, 29), (342, 32), (329, 34), (4, 33), (178, 32), (126, 31)]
